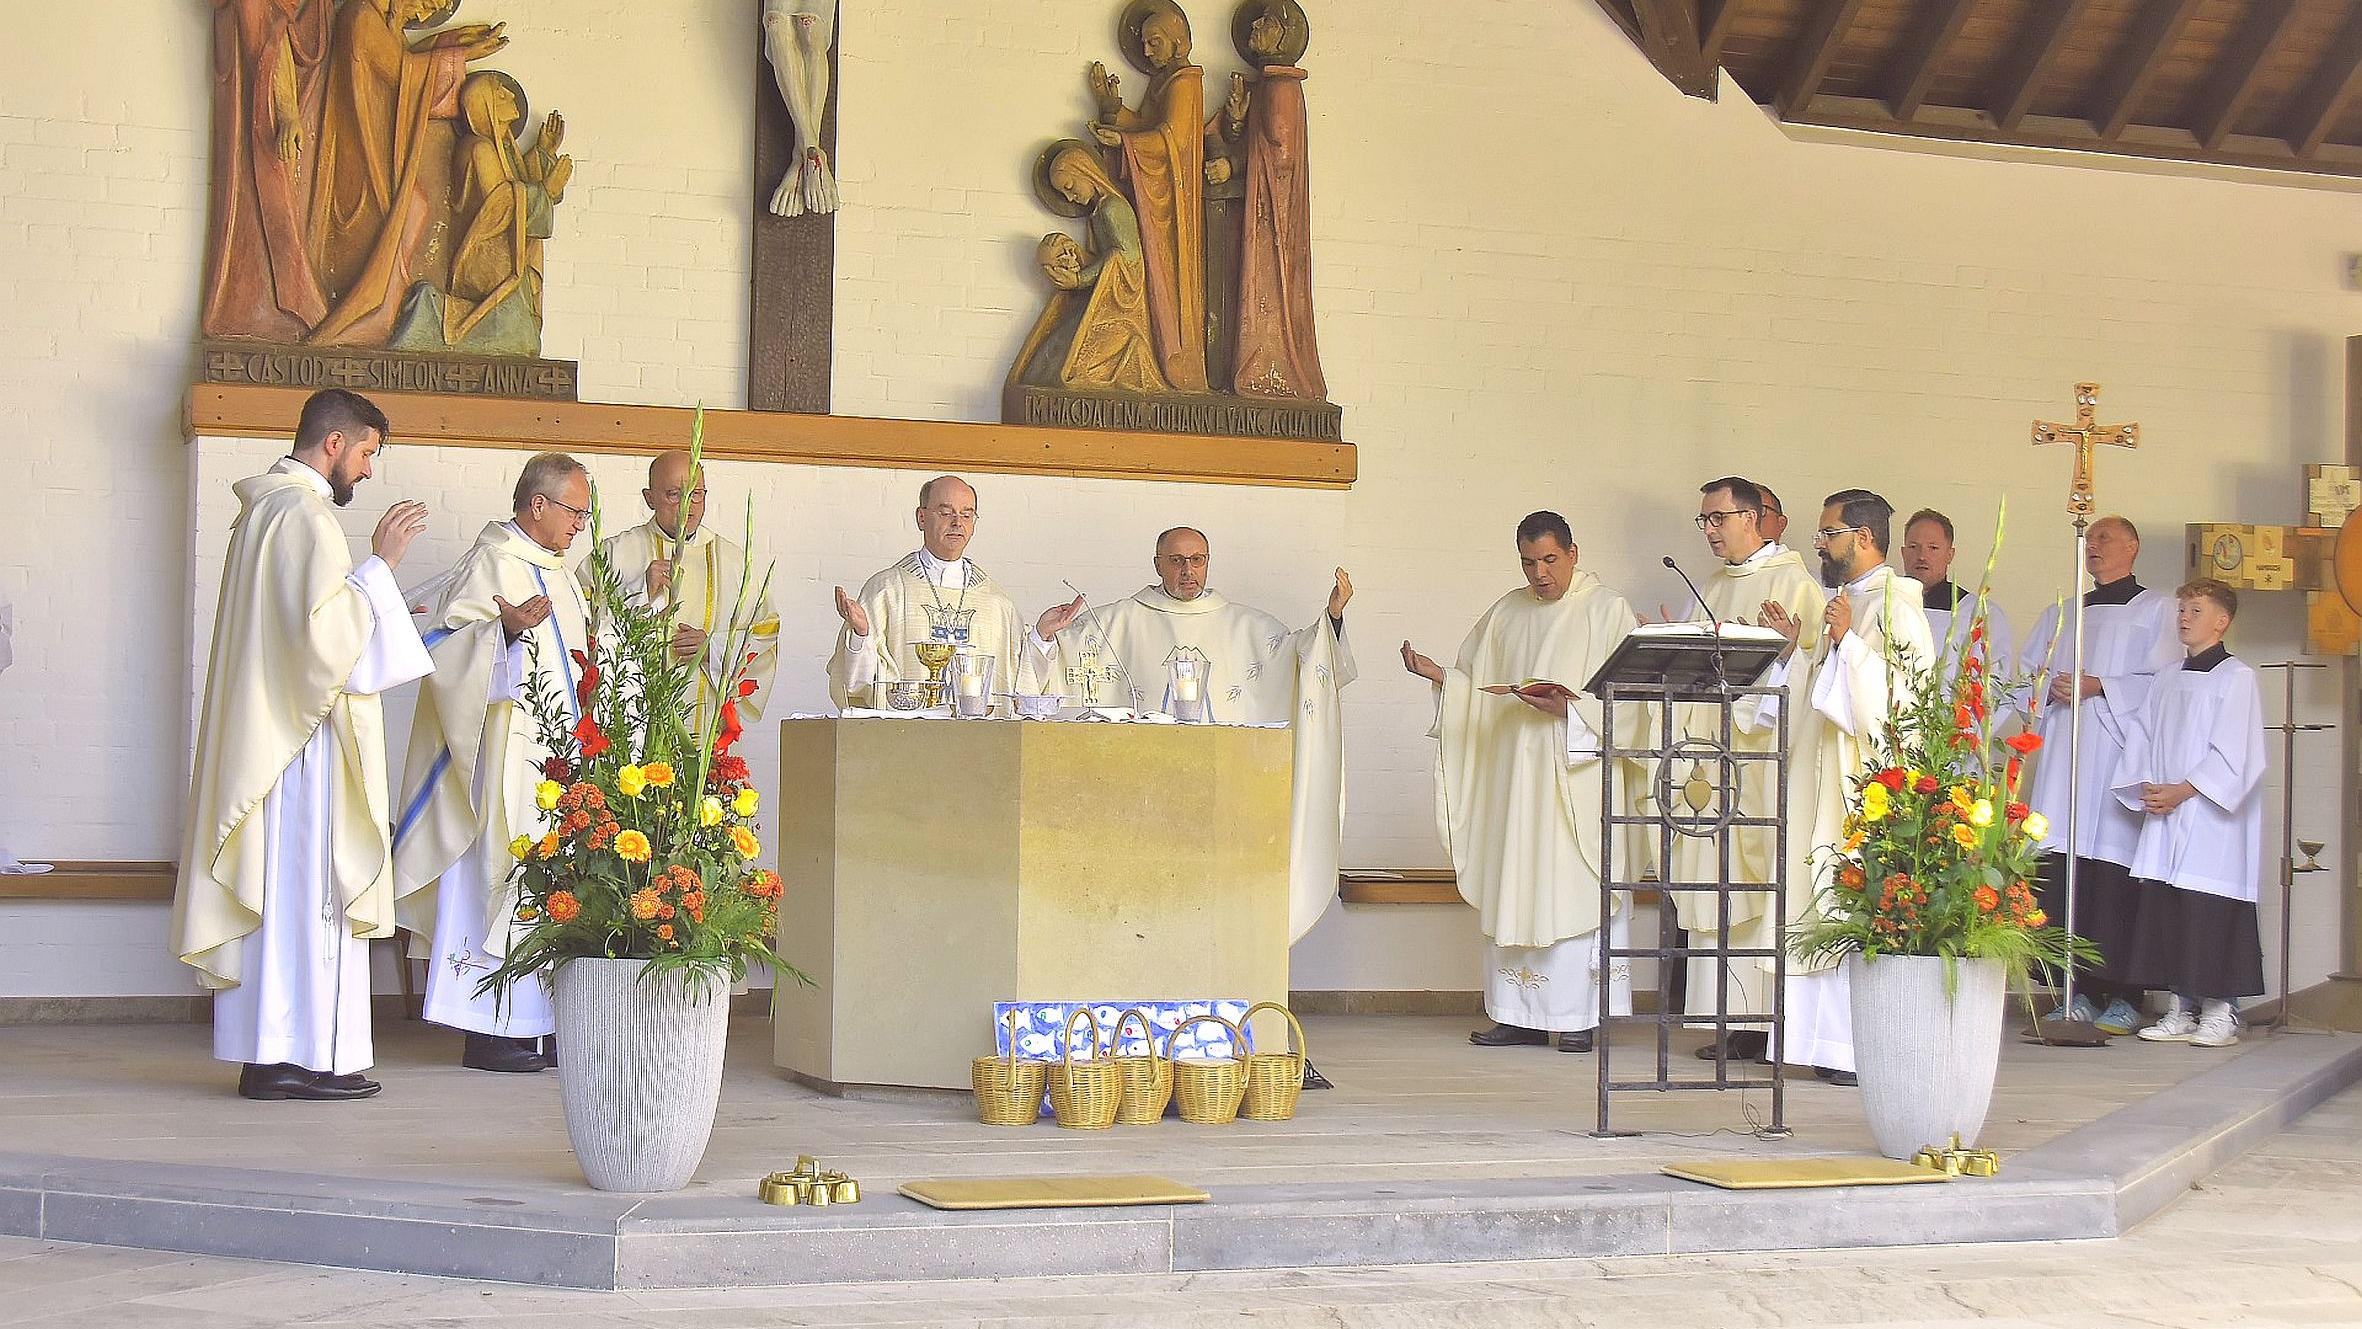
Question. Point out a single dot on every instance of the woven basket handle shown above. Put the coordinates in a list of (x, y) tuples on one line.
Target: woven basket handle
[(1097, 1035), (1300, 1049), (1237, 1039), (1115, 1043), (1010, 1020)]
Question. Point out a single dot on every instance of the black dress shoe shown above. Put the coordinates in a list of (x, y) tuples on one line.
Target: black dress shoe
[(282, 1081), (1839, 1078), (353, 1081), (1509, 1035), (1742, 1045), (1314, 1079), (510, 1056), (1579, 1041), (549, 1049)]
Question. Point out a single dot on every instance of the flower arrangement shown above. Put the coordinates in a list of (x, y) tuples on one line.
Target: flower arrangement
[(650, 852), (1939, 855)]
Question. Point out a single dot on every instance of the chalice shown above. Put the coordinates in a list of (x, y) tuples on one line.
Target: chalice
[(934, 655)]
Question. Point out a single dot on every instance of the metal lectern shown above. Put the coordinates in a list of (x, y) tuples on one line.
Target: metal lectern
[(1672, 675)]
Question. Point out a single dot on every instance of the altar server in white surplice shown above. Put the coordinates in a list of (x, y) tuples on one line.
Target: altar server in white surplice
[(708, 585), (285, 869), (1255, 670), (1517, 792), (1753, 574), (1875, 647), (1951, 607), (2130, 644), (935, 594), (2193, 767), (508, 612)]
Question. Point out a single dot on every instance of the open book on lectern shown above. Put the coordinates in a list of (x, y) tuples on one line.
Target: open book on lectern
[(1682, 656)]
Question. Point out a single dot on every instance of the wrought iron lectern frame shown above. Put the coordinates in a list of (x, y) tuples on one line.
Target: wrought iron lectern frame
[(1672, 746)]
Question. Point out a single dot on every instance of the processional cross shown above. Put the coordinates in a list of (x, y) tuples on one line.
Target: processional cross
[(2086, 433)]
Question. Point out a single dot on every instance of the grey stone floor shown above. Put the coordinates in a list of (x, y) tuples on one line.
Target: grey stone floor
[(1414, 1101), (2275, 1238)]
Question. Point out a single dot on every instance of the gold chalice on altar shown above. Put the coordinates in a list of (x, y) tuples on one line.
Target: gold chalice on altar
[(934, 655)]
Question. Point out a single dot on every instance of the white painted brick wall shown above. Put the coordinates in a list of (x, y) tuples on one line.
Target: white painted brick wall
[(1545, 279)]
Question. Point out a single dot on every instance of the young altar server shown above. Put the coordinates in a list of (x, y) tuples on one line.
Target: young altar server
[(2193, 769)]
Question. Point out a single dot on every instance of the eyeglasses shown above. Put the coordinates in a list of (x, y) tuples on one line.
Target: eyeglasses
[(1712, 521), (1822, 537), (581, 515), (948, 514), (673, 496)]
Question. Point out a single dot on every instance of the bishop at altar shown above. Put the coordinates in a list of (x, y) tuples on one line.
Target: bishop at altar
[(286, 870), (934, 596), (721, 618), (1252, 669), (1517, 792), (508, 618)]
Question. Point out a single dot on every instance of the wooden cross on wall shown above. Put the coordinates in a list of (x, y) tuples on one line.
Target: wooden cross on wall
[(2086, 433), (2251, 556)]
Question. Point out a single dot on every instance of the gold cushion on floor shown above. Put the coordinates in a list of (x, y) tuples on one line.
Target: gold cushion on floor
[(1768, 1174), (1050, 1192)]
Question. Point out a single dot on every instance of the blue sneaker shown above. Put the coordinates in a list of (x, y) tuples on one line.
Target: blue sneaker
[(2120, 1018), (2081, 1010)]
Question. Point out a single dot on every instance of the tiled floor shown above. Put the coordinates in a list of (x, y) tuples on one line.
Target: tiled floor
[(1414, 1100), (2273, 1239)]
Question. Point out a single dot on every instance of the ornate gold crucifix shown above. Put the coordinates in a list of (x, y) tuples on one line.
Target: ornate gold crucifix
[(2086, 433)]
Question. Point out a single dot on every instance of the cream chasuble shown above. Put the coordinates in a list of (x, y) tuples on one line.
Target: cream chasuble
[(1259, 671), (286, 869), (1854, 689), (922, 599), (707, 585), (467, 788), (1736, 593), (1517, 799)]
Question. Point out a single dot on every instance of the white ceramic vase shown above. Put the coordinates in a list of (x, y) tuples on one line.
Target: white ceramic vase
[(640, 1070), (1926, 1057)]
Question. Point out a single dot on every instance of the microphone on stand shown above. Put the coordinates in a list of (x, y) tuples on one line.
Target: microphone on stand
[(1713, 625), (1693, 589)]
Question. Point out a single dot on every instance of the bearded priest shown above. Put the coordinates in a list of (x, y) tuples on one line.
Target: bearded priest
[(286, 872), (936, 595), (1517, 792), (509, 612), (707, 585), (1253, 669), (1875, 647)]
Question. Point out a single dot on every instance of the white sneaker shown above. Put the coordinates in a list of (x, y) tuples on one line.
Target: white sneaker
[(2218, 1027), (2177, 1027)]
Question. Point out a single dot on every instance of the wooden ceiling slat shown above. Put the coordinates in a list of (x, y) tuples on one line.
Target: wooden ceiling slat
[(2239, 71), (2139, 63), (2045, 38), (1669, 37), (1717, 17), (1916, 72), (1815, 48), (2325, 96), (2076, 134)]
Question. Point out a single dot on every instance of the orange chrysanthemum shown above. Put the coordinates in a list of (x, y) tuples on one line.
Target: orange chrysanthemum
[(563, 907), (657, 773), (645, 904), (1988, 899), (744, 841)]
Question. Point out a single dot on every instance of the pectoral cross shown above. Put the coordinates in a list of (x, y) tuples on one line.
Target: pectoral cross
[(2086, 433)]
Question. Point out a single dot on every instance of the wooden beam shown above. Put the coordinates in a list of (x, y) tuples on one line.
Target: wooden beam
[(1621, 12), (245, 411), (91, 880), (1816, 47), (1915, 72), (2240, 70), (2326, 94), (2046, 36), (1419, 886), (2075, 134), (2135, 66), (1717, 17), (1669, 36)]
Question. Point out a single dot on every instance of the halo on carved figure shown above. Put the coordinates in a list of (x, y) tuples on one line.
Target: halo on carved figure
[(1047, 192), (1129, 23), (516, 90), (441, 16), (1298, 34)]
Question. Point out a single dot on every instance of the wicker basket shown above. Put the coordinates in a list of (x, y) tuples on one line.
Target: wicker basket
[(1085, 1094), (1147, 1081), (1009, 1091), (1275, 1080), (1209, 1088)]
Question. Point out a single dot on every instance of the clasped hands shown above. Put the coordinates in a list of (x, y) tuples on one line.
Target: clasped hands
[(2159, 799)]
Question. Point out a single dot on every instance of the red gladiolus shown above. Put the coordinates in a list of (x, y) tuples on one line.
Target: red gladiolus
[(1892, 777), (1962, 719), (2009, 773), (587, 685), (588, 734), (1927, 784), (2018, 811), (731, 729), (2023, 743), (1974, 693), (747, 687)]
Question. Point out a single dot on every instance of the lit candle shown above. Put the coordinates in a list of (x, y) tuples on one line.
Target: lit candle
[(1188, 688), (971, 685)]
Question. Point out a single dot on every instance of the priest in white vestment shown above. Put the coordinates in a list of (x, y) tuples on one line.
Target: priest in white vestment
[(1517, 793), (2130, 642), (935, 594), (1753, 576), (1253, 669), (2193, 768), (1875, 647), (508, 612), (286, 869), (1952, 609), (721, 619)]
